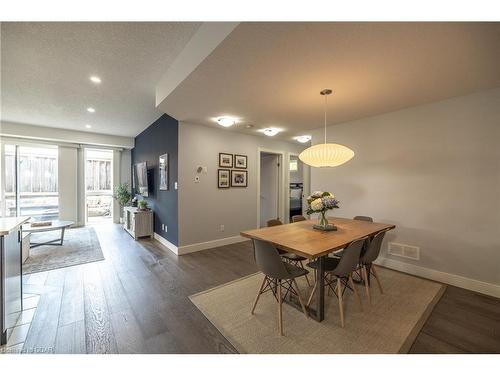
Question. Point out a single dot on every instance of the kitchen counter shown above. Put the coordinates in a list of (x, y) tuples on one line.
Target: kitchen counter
[(11, 288), (9, 224)]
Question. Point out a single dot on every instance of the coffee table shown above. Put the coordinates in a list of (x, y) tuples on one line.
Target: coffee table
[(56, 225)]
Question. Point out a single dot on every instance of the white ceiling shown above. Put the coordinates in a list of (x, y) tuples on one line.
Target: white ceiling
[(45, 69), (270, 74)]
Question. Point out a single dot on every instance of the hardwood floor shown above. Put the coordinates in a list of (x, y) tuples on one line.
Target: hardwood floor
[(136, 301)]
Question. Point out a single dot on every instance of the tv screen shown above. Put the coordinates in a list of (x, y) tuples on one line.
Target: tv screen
[(141, 179)]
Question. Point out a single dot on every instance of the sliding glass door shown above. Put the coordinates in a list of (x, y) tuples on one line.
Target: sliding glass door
[(30, 181), (98, 185)]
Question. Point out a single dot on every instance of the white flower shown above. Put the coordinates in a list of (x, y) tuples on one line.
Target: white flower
[(317, 205)]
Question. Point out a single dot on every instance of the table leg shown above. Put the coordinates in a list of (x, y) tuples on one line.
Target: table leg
[(62, 235), (320, 279)]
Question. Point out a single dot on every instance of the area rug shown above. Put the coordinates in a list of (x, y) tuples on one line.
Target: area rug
[(81, 245), (389, 325)]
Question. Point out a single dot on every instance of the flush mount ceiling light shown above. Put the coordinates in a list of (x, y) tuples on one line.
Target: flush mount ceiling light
[(303, 138), (90, 109), (226, 121), (326, 154), (88, 126), (270, 132), (95, 79)]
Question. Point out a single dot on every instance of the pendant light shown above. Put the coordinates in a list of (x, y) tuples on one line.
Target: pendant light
[(326, 154)]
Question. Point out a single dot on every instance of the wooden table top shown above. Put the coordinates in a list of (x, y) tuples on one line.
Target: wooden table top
[(300, 238)]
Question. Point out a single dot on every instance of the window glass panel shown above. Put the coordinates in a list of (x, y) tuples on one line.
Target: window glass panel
[(10, 180), (38, 184)]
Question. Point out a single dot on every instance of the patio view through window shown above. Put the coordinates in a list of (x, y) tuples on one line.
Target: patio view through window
[(98, 184), (31, 182)]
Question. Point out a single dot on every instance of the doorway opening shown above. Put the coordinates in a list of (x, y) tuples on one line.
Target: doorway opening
[(98, 186), (296, 180), (270, 187)]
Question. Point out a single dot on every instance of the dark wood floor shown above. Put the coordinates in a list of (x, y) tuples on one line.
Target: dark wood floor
[(136, 301)]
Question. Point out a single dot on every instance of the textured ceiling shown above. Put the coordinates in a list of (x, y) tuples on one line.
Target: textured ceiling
[(270, 74), (45, 69)]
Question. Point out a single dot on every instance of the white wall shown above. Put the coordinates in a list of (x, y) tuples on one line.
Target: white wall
[(433, 171), (202, 206)]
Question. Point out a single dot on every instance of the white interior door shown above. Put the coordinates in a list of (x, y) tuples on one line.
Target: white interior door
[(269, 187)]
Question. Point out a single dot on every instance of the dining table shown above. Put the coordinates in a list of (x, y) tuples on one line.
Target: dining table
[(302, 239)]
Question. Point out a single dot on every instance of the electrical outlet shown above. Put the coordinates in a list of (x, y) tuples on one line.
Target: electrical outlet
[(222, 228), (165, 228), (175, 185)]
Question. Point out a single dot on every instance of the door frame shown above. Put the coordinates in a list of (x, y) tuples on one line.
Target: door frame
[(283, 192)]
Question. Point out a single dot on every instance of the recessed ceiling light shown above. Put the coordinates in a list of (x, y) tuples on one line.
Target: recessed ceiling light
[(303, 138), (88, 126), (95, 79), (270, 132), (90, 109), (226, 121)]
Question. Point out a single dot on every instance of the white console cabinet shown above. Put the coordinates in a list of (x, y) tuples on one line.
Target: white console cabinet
[(139, 223)]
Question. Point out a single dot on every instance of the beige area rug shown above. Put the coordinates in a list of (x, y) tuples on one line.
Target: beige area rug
[(390, 325), (80, 246)]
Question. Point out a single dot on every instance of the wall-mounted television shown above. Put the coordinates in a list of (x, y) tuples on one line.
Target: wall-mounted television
[(141, 179)]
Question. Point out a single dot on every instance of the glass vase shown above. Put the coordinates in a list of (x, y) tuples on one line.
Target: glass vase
[(323, 220)]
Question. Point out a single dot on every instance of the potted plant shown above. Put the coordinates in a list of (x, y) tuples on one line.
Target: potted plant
[(320, 202), (143, 205), (122, 196)]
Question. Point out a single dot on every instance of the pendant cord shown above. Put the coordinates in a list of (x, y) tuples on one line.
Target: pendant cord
[(326, 98)]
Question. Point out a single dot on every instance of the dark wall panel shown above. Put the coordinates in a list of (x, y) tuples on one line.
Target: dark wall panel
[(158, 139)]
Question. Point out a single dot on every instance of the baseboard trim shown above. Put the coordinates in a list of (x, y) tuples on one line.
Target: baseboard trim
[(442, 277), (186, 249), (169, 245)]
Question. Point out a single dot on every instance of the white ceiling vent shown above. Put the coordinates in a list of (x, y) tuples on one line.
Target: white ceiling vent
[(404, 251)]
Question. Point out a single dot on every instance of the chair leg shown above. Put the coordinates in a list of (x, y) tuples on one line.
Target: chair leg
[(367, 287), (312, 294), (300, 299), (307, 279), (280, 309), (377, 279), (351, 282), (258, 294), (341, 307)]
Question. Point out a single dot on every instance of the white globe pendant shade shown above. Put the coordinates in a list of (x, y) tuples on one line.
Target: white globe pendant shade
[(326, 155)]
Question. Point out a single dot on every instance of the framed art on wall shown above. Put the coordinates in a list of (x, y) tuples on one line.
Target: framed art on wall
[(225, 160), (239, 178), (163, 165), (223, 178), (240, 161)]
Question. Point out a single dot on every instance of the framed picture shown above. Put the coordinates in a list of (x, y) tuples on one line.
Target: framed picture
[(223, 179), (240, 161), (239, 178), (163, 165), (225, 160)]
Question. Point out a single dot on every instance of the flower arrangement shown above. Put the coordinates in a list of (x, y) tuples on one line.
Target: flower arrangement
[(321, 202)]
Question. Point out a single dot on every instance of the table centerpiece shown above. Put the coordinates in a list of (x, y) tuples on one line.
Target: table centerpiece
[(320, 202)]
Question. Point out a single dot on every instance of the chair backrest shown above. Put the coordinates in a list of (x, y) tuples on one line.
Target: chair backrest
[(373, 249), (350, 258), (363, 218), (274, 222), (297, 218), (268, 260)]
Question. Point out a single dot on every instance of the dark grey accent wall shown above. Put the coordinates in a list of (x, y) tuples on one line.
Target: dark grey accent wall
[(161, 137)]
